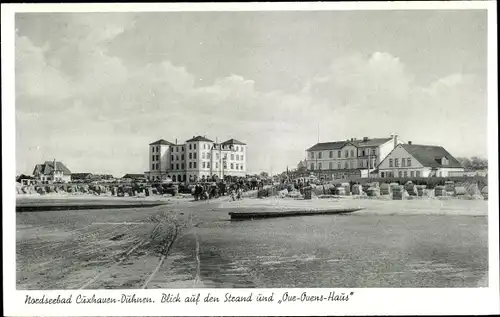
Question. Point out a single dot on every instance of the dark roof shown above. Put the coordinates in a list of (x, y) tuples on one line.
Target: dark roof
[(133, 176), (233, 141), (370, 142), (161, 142), (80, 175), (48, 167), (430, 156), (23, 176), (328, 146), (199, 138)]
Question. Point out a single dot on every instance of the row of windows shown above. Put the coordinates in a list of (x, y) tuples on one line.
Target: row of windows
[(400, 174), (203, 165), (347, 153), (157, 148), (155, 158), (339, 166), (404, 162)]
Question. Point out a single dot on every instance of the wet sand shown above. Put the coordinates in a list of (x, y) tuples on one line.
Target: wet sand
[(192, 244)]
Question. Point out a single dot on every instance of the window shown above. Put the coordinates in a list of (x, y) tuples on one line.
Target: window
[(190, 165), (319, 155), (171, 166), (382, 174), (182, 166), (152, 166), (194, 164), (339, 166), (362, 152), (174, 178), (242, 157), (182, 157), (184, 177), (237, 166), (232, 166), (232, 157), (176, 149), (403, 162), (204, 146), (225, 155), (241, 166), (396, 162), (217, 156), (390, 163), (194, 146), (194, 156), (319, 166), (400, 174), (406, 174), (418, 173), (331, 154), (203, 165), (208, 155), (311, 155), (412, 173), (216, 165), (190, 146), (346, 154), (330, 165), (312, 166), (203, 155), (408, 162), (237, 148), (153, 158), (352, 153), (339, 154), (190, 155), (177, 157), (157, 149), (208, 164), (172, 158), (346, 165)]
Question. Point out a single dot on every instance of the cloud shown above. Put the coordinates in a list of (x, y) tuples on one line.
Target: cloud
[(90, 109)]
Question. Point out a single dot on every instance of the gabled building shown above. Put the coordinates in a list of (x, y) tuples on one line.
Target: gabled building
[(50, 172), (197, 159), (415, 160), (354, 158)]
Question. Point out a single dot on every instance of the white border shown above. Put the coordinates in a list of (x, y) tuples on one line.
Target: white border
[(364, 302)]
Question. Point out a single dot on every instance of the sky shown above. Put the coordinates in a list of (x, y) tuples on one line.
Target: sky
[(94, 89)]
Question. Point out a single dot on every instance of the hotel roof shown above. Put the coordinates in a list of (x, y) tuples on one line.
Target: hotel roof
[(430, 155), (161, 142), (233, 141), (199, 138)]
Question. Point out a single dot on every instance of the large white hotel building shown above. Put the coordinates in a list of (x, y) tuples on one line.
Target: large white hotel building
[(196, 159)]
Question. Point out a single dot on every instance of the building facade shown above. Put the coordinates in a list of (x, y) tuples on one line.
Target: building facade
[(197, 159), (50, 172), (349, 159), (413, 160)]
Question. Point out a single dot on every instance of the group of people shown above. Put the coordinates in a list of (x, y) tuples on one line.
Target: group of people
[(215, 190), (209, 191)]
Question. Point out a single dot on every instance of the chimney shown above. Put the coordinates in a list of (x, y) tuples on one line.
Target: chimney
[(365, 138), (395, 138), (176, 141), (409, 142)]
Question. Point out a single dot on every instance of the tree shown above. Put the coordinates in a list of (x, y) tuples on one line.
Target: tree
[(301, 166), (479, 163), (473, 163), (465, 162)]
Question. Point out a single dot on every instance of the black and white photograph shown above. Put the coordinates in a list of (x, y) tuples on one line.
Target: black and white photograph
[(251, 149)]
